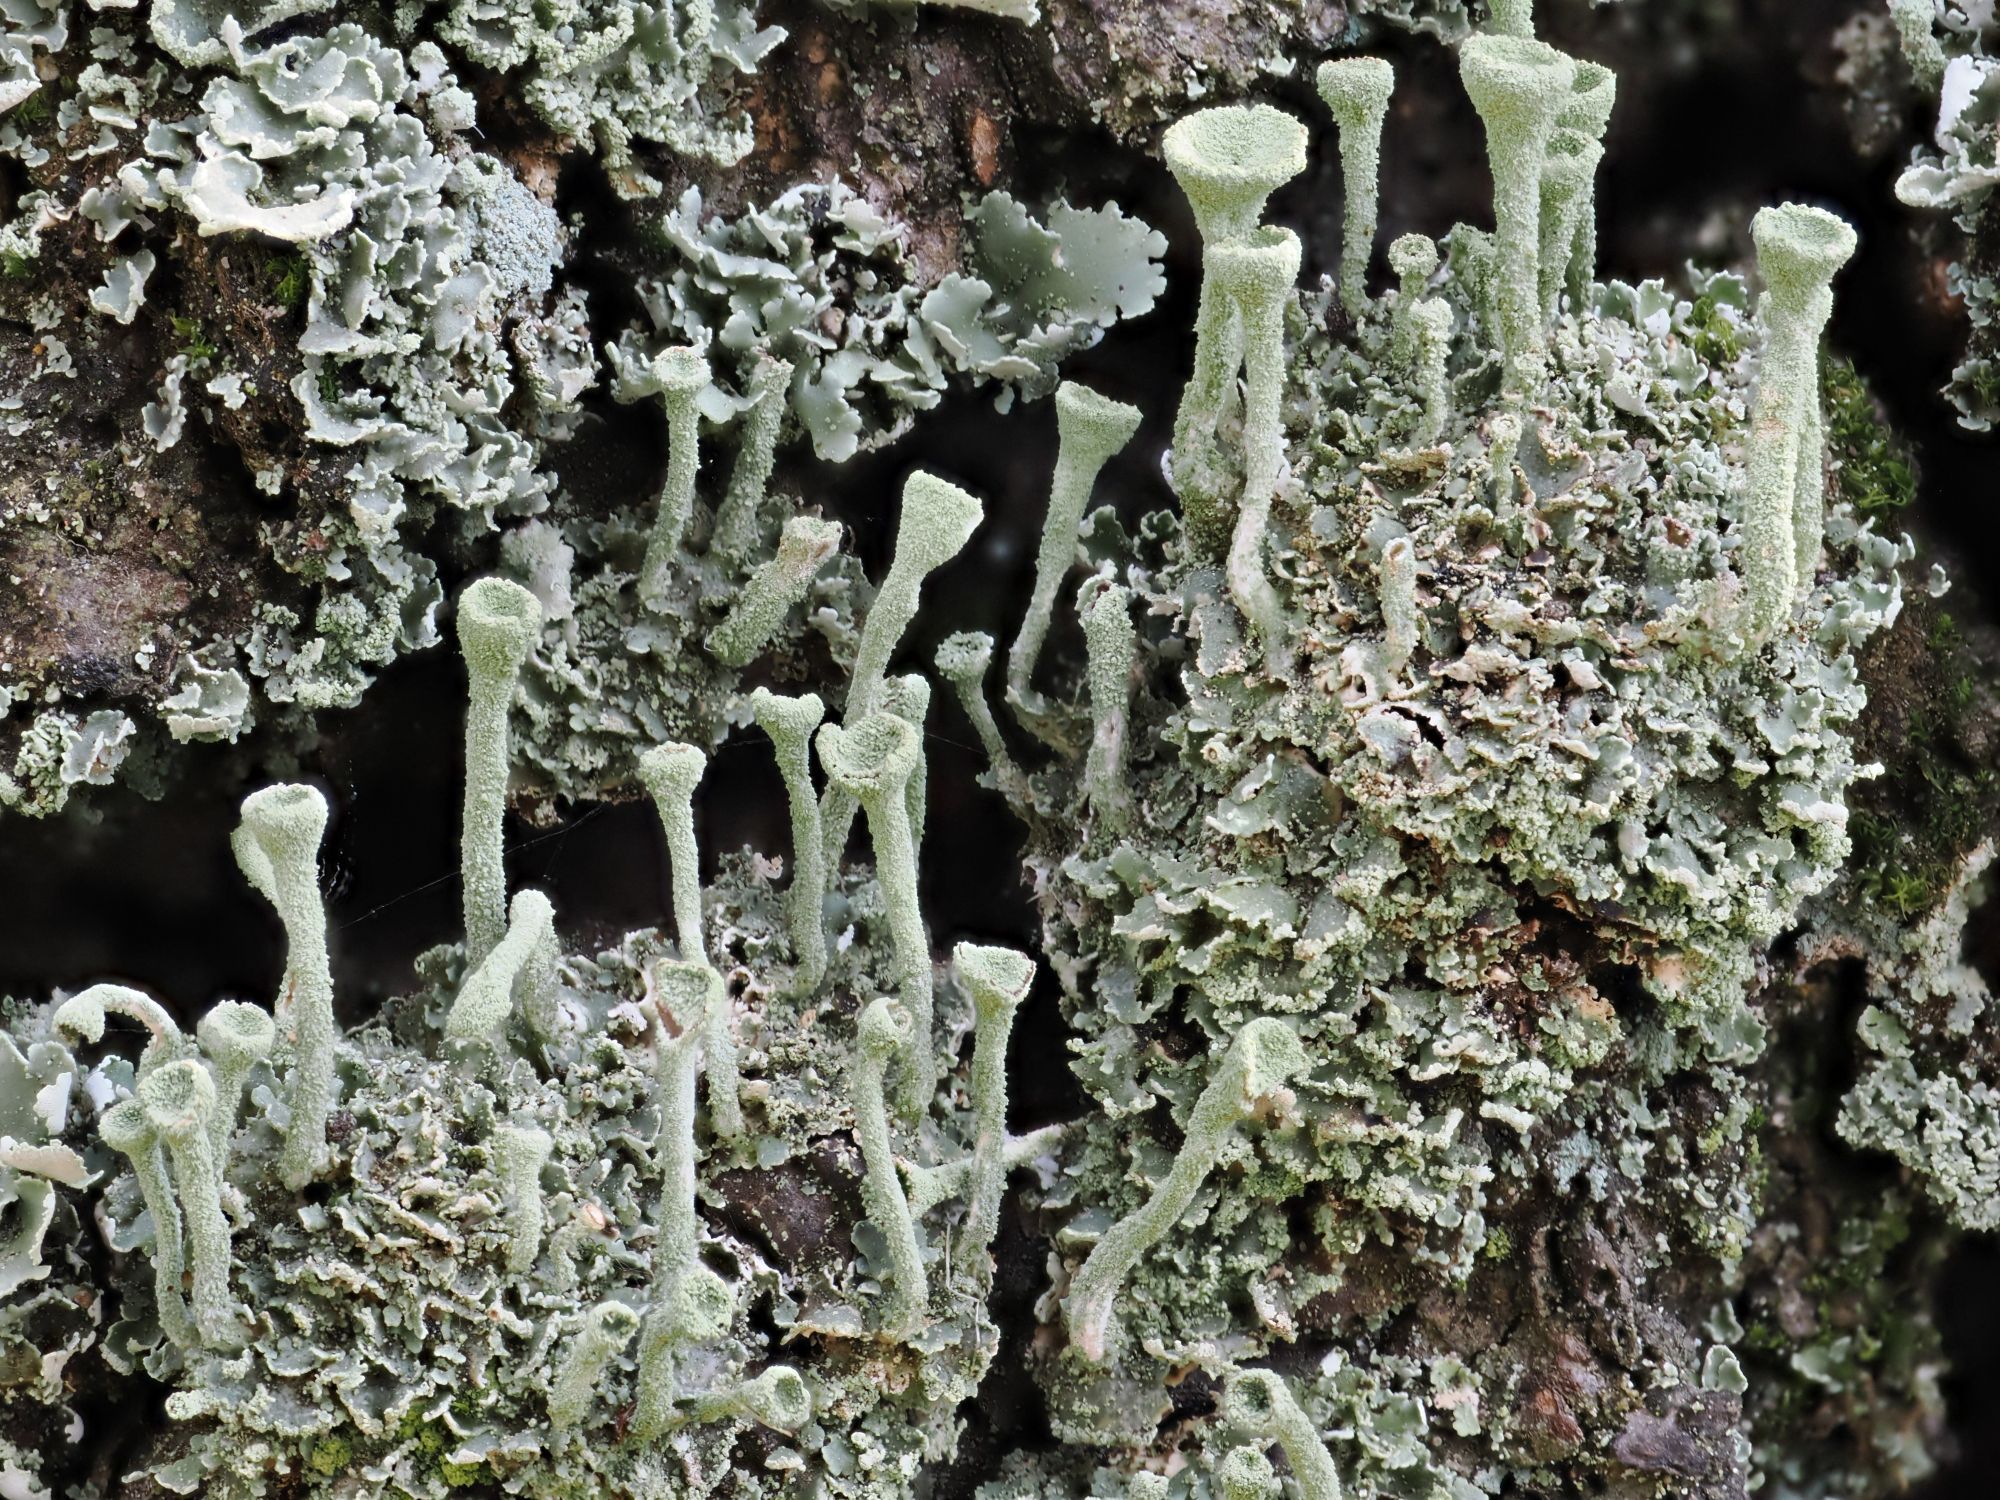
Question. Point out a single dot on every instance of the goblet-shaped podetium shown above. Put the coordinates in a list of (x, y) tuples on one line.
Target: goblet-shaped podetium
[(1519, 86), (670, 773), (1228, 161), (874, 762), (1356, 91), (1090, 429), (737, 519), (1568, 173), (790, 723), (884, 1029), (962, 661), (684, 994), (1256, 275), (999, 979), (498, 622), (937, 520), (1593, 92), (127, 1128), (677, 376), (607, 1329), (179, 1099), (236, 1036), (277, 847), (1799, 249), (1414, 259)]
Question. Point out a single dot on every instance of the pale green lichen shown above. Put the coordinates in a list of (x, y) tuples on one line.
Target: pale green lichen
[(1091, 429), (1519, 86), (1262, 1058), (497, 623), (1356, 91), (1798, 251), (277, 847), (1228, 162)]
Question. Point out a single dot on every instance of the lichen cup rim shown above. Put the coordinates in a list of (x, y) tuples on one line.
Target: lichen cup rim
[(1593, 92), (1230, 158), (1797, 241), (1270, 258), (1500, 71), (1355, 87), (879, 751)]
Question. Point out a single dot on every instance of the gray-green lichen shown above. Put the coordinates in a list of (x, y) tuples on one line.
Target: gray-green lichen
[(1948, 50), (369, 336), (1412, 863)]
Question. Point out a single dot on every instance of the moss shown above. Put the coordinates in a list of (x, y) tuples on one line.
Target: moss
[(1876, 473), (190, 339), (290, 281), (329, 1456), (1717, 335), (1938, 794)]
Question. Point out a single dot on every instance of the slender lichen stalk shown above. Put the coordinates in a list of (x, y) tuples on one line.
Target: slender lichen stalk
[(737, 518), (885, 1028), (277, 847), (1518, 86), (873, 762), (1511, 17), (179, 1099), (126, 1128), (1399, 605), (485, 1001), (962, 661), (1414, 259), (497, 623), (777, 1398), (804, 546), (677, 376), (999, 979), (81, 1018), (1263, 1056), (1356, 91), (1568, 171), (1110, 645), (1593, 92), (1505, 432), (1090, 428), (1432, 324), (683, 992), (1246, 1474), (790, 723), (938, 519), (908, 697), (1258, 1401), (1798, 251), (1256, 275), (670, 773), (236, 1037), (607, 1329), (1228, 162), (519, 1154)]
